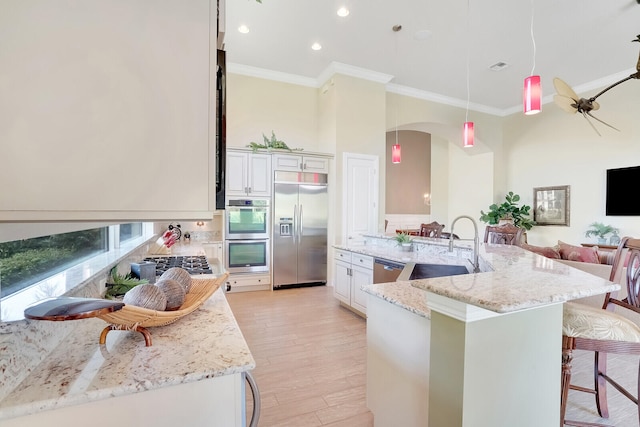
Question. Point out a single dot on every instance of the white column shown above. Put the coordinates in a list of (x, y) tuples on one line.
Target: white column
[(491, 369)]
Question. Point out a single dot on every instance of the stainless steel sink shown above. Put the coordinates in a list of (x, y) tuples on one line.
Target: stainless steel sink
[(426, 271), (413, 271)]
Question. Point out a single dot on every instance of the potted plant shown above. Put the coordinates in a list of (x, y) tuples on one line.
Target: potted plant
[(404, 241), (600, 231), (119, 284), (509, 210)]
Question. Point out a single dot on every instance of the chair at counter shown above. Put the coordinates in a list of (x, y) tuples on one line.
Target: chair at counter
[(433, 229)]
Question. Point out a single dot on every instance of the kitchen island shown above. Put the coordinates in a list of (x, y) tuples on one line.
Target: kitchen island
[(193, 374), (485, 348)]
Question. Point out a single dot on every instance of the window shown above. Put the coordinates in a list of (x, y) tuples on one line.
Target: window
[(26, 262), (130, 231), (33, 269)]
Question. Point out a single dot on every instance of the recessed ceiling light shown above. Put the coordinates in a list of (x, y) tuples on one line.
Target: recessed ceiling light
[(316, 46), (498, 66), (422, 34), (243, 29), (343, 11)]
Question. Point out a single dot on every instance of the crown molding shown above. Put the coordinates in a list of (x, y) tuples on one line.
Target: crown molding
[(440, 99), (262, 73), (350, 70), (363, 73)]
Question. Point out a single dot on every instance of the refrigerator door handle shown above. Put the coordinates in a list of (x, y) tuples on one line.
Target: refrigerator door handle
[(300, 225), (295, 222)]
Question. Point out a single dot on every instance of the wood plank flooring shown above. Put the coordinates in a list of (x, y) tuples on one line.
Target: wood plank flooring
[(311, 362)]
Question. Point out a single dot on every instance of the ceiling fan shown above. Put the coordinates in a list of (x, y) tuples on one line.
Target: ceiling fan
[(568, 100)]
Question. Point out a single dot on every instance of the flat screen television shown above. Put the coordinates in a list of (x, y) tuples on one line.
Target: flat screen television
[(621, 201)]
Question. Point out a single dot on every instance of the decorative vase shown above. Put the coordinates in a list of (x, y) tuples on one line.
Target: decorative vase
[(614, 240), (406, 247), (503, 221)]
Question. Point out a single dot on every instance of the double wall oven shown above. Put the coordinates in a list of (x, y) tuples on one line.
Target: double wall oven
[(247, 224)]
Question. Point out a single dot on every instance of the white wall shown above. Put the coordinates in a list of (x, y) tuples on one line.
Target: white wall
[(514, 153), (257, 106), (556, 148)]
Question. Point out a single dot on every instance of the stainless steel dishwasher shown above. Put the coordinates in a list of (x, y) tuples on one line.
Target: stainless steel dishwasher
[(385, 271)]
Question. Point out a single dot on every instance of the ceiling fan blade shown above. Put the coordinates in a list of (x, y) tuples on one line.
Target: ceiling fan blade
[(601, 121), (595, 105), (564, 89), (566, 103), (584, 113)]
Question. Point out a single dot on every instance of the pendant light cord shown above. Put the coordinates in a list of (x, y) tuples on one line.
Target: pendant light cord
[(396, 29), (466, 116), (533, 41)]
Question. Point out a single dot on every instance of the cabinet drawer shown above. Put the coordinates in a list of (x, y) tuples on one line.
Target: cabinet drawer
[(248, 280), (343, 255), (364, 261)]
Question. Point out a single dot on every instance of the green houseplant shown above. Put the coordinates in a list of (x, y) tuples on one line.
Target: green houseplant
[(119, 284), (509, 210), (404, 241), (271, 143), (600, 231)]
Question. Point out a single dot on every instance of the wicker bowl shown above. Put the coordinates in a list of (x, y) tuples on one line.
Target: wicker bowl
[(137, 318)]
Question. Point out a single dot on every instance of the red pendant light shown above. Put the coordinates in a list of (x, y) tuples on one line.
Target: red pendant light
[(467, 135), (395, 153), (532, 95)]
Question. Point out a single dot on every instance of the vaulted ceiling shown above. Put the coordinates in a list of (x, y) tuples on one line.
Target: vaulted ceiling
[(587, 43)]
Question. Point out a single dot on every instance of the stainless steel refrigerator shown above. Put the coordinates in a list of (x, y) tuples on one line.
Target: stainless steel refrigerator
[(300, 228)]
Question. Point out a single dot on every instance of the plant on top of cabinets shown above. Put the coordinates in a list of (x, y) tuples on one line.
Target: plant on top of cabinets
[(271, 143)]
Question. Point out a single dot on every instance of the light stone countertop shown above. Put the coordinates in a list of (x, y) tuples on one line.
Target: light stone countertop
[(403, 295), (204, 344), (512, 278)]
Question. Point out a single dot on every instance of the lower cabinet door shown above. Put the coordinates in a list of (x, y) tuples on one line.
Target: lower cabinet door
[(342, 281), (361, 276)]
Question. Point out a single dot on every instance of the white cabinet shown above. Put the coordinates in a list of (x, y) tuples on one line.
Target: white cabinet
[(211, 402), (248, 174), (95, 139), (214, 250), (297, 163), (248, 282), (351, 272)]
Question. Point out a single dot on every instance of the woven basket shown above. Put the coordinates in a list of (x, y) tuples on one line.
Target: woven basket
[(132, 317)]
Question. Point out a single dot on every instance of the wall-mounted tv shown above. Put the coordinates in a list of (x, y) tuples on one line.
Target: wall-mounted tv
[(621, 201)]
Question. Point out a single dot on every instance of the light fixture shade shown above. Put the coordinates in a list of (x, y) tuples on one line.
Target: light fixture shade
[(532, 95), (395, 154), (467, 135)]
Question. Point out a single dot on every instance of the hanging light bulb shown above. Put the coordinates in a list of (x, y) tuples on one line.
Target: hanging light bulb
[(467, 136), (396, 155), (532, 91), (532, 94)]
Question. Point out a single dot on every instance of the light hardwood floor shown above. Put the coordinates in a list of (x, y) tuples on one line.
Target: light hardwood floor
[(311, 362)]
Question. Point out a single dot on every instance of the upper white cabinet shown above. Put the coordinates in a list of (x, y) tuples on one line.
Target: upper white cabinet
[(109, 116), (248, 174), (300, 163)]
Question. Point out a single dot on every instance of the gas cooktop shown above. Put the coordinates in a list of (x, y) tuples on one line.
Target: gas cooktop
[(193, 264)]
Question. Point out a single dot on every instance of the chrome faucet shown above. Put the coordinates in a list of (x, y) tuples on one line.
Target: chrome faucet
[(476, 241)]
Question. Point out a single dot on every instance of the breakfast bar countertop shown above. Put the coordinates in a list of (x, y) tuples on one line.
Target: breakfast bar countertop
[(511, 278), (205, 344)]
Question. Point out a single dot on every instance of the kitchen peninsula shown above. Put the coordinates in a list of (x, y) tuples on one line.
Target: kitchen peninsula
[(481, 349), (193, 374)]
